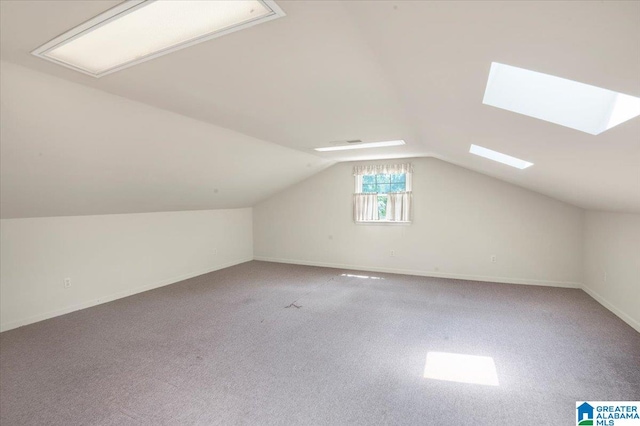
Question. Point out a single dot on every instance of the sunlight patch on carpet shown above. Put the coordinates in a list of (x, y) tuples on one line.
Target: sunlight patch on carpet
[(361, 276), (461, 368)]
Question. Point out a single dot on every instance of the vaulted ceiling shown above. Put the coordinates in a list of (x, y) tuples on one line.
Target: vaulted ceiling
[(377, 70)]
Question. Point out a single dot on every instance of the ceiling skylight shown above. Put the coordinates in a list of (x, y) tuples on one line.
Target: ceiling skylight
[(499, 157), (361, 146), (138, 30), (565, 102)]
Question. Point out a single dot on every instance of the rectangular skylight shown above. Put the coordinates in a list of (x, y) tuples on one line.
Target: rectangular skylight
[(565, 102), (138, 30), (499, 157), (361, 146)]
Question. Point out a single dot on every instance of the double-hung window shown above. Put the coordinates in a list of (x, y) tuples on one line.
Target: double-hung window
[(382, 193)]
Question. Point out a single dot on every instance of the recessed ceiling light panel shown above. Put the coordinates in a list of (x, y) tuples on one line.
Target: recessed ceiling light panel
[(361, 146), (565, 102), (138, 30), (499, 157)]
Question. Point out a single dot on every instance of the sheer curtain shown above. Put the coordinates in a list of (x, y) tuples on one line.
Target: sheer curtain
[(399, 206), (383, 169), (365, 207)]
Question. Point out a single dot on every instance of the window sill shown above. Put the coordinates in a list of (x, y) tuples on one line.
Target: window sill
[(383, 222)]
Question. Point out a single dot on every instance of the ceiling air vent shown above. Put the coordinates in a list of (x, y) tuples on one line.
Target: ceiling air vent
[(345, 142)]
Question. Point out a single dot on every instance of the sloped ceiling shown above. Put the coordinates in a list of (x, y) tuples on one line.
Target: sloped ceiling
[(69, 150), (376, 70)]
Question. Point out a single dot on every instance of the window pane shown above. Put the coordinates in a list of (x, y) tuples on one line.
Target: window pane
[(366, 179), (369, 188), (382, 207), (383, 188), (401, 178), (383, 178), (398, 187)]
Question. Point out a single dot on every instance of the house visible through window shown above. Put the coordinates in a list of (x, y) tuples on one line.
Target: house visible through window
[(383, 193)]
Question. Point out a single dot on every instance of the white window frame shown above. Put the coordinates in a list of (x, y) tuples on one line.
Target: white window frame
[(408, 187)]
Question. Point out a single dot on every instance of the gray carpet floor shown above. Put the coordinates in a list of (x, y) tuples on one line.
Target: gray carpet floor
[(265, 343)]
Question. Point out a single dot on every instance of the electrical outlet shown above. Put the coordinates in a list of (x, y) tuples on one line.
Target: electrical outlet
[(215, 252), (494, 259), (393, 253), (67, 282)]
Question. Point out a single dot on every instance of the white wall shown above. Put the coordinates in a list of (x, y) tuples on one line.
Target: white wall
[(612, 263), (461, 218), (110, 256)]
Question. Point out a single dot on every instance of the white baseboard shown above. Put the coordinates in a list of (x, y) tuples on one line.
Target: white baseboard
[(506, 280), (36, 318), (604, 302), (610, 306)]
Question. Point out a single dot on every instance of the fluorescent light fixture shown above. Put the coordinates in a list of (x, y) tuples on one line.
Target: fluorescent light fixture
[(499, 157), (138, 30), (461, 368), (361, 146), (565, 102)]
